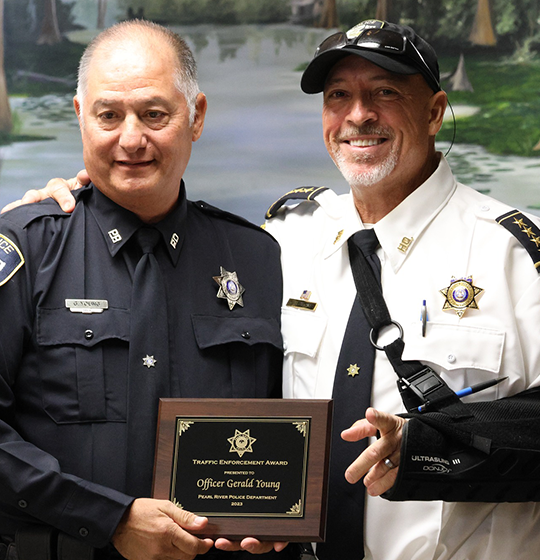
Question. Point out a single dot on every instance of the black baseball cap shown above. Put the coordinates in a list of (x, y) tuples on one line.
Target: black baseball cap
[(396, 48)]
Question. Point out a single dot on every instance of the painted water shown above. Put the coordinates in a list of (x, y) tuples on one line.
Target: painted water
[(262, 135)]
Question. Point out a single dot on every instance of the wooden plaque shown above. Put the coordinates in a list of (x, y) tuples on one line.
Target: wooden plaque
[(254, 467)]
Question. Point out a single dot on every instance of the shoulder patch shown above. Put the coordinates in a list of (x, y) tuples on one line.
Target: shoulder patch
[(302, 193), (526, 232), (11, 259)]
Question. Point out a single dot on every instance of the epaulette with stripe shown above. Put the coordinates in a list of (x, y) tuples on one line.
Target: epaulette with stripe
[(302, 193), (525, 231)]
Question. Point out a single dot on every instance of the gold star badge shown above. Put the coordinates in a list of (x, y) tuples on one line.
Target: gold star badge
[(461, 295), (229, 288), (241, 442), (353, 370)]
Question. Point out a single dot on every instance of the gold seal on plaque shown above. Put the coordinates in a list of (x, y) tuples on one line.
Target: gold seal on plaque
[(241, 442)]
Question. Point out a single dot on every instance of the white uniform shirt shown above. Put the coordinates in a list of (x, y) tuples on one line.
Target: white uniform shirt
[(444, 230)]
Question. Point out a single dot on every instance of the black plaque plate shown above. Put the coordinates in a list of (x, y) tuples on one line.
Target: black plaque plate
[(241, 466)]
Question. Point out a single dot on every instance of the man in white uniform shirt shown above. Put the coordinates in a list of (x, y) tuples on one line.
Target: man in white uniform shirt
[(382, 107), (381, 112)]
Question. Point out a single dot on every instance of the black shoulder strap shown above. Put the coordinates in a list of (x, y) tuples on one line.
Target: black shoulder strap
[(303, 193), (418, 384), (525, 231)]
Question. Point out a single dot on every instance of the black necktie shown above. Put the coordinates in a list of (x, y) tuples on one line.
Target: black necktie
[(148, 363), (352, 396)]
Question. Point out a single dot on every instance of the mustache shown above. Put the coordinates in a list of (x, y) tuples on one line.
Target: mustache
[(365, 130)]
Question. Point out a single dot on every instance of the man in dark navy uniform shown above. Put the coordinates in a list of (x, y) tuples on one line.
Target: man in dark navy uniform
[(78, 388)]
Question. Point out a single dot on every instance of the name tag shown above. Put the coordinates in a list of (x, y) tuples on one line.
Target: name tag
[(87, 305), (302, 304)]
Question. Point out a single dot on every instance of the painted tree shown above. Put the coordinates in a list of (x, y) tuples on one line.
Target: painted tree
[(50, 32), (102, 10), (482, 31), (6, 122), (329, 17), (459, 81), (384, 10)]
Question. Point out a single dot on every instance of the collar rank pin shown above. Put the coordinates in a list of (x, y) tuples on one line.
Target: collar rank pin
[(229, 288), (149, 361), (461, 295)]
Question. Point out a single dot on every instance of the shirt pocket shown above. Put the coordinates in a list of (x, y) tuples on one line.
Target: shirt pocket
[(303, 332), (465, 355), (238, 357), (83, 364), (213, 331)]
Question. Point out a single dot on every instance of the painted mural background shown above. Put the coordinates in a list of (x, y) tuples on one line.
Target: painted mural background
[(263, 135)]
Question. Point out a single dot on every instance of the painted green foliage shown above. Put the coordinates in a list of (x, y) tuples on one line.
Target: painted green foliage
[(506, 78), (449, 22), (186, 12)]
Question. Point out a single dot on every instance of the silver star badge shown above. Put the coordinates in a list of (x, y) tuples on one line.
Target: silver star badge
[(229, 288), (149, 361)]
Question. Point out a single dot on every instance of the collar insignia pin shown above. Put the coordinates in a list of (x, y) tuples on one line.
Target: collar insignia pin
[(338, 236), (229, 288), (353, 370), (149, 361), (115, 236), (405, 244), (461, 295)]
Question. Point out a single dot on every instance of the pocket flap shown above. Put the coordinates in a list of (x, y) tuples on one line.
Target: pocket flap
[(302, 331), (456, 347), (213, 331), (61, 326)]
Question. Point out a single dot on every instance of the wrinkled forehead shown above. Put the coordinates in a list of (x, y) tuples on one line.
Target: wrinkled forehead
[(132, 64), (135, 50)]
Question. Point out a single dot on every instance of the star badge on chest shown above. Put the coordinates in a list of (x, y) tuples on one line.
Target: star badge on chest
[(229, 288), (149, 361), (353, 370), (461, 295)]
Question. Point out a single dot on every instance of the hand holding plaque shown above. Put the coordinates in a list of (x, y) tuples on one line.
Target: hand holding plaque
[(254, 467)]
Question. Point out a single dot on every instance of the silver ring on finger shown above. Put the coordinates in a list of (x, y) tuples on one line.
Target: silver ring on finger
[(389, 463)]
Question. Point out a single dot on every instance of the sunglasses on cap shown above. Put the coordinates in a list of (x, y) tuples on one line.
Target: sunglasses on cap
[(384, 41)]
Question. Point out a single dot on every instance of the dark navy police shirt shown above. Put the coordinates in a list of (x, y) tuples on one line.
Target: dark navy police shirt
[(64, 375)]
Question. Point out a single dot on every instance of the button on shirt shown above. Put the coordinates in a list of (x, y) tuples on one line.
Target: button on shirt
[(63, 374), (442, 230)]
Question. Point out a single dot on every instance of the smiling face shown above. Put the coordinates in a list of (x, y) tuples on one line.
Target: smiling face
[(135, 126), (379, 127)]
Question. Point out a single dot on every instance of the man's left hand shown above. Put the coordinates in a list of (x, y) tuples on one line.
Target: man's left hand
[(379, 477), (250, 545)]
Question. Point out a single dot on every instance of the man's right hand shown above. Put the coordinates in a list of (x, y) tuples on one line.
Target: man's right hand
[(158, 530), (59, 189)]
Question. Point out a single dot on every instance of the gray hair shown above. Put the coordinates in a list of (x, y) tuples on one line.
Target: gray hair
[(185, 73)]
